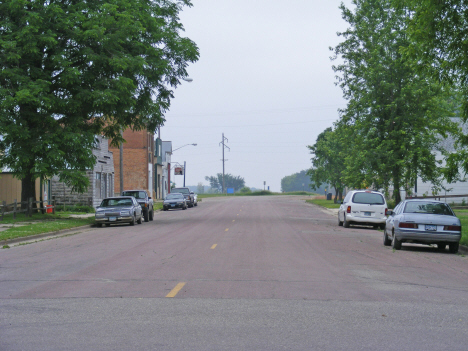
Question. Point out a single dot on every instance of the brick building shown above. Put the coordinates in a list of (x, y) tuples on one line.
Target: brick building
[(138, 162)]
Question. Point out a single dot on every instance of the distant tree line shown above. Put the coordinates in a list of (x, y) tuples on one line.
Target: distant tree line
[(402, 68), (300, 181), (230, 181)]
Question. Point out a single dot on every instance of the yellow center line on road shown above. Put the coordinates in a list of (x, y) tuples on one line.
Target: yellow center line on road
[(233, 220), (214, 246), (227, 229), (174, 291)]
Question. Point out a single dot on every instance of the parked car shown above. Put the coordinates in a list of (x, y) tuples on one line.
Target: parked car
[(423, 222), (145, 202), (189, 195), (363, 207), (122, 209), (195, 199), (173, 201)]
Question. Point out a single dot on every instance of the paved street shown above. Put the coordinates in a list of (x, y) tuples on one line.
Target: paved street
[(240, 273)]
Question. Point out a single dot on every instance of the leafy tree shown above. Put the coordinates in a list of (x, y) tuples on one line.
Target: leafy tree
[(230, 181), (328, 162), (71, 70), (438, 45), (296, 182), (394, 116)]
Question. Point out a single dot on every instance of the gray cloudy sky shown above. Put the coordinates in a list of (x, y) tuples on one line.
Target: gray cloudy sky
[(264, 79)]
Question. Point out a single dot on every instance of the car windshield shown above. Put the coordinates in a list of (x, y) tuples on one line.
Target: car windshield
[(116, 202), (368, 198), (428, 207), (181, 190), (174, 196), (135, 194)]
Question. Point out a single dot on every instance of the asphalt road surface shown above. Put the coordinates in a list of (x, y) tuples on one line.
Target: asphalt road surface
[(237, 273)]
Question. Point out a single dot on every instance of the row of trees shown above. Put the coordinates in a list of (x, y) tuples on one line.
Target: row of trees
[(71, 70), (402, 68)]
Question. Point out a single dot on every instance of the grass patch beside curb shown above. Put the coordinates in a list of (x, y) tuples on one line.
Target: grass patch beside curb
[(44, 226), (323, 203)]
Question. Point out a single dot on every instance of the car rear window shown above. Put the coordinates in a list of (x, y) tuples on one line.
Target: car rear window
[(428, 207), (368, 198), (182, 191), (135, 194)]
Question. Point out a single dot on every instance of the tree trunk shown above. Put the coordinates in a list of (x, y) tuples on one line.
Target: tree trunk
[(28, 189), (396, 187)]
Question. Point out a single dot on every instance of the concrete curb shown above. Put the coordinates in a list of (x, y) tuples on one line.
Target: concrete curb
[(36, 237)]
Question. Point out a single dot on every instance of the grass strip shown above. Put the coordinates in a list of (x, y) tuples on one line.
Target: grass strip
[(324, 203), (44, 226), (463, 216)]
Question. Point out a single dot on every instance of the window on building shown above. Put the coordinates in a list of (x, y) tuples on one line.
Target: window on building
[(111, 186), (98, 185), (104, 176)]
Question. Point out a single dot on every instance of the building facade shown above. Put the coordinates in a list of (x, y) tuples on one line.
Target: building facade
[(101, 180), (138, 162)]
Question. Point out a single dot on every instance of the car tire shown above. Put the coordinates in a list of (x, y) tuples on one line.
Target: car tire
[(340, 223), (382, 227), (139, 220), (396, 244), (453, 247), (184, 208), (99, 225), (146, 215), (345, 222), (441, 247), (107, 224), (196, 204), (151, 215), (386, 240), (133, 220)]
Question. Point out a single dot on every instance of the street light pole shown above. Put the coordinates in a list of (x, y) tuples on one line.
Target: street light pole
[(184, 173), (194, 144)]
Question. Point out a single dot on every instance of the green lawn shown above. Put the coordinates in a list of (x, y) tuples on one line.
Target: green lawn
[(324, 203), (46, 224)]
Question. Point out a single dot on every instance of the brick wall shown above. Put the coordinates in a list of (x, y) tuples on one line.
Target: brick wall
[(136, 150)]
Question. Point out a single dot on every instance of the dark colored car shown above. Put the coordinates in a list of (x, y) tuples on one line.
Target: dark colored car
[(122, 209), (189, 196), (173, 201), (145, 202), (423, 222)]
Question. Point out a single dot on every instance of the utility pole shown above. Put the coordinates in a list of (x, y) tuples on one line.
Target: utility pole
[(224, 146)]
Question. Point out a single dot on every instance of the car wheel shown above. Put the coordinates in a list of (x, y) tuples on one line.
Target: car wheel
[(196, 203), (99, 225), (133, 220), (340, 223), (151, 215), (382, 226), (139, 220), (453, 247), (107, 224), (146, 216), (345, 222), (441, 247), (184, 208), (396, 244), (386, 240)]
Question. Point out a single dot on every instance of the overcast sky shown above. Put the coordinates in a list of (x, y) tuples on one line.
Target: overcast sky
[(264, 79)]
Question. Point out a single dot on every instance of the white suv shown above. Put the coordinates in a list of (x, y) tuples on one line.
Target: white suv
[(363, 207)]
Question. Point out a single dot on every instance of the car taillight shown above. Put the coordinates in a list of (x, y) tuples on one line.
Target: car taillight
[(455, 228), (348, 210), (386, 210), (408, 225)]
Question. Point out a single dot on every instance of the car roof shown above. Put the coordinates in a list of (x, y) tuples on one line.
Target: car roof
[(425, 200)]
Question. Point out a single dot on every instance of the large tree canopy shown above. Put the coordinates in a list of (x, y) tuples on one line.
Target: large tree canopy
[(395, 114), (438, 44), (73, 69)]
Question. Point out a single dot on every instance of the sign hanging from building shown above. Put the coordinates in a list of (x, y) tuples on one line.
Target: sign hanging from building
[(178, 171)]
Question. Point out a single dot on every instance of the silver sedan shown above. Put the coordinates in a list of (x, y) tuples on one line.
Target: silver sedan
[(114, 210), (422, 222)]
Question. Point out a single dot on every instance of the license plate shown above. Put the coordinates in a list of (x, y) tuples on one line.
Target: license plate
[(172, 205), (367, 213), (112, 219), (431, 227)]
